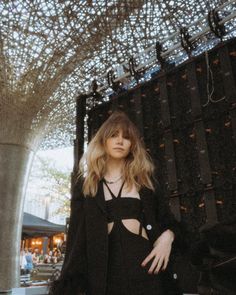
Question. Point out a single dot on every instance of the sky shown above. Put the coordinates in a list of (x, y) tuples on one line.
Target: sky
[(36, 191), (63, 158)]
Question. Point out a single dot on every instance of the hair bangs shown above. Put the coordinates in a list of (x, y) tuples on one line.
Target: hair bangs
[(124, 125)]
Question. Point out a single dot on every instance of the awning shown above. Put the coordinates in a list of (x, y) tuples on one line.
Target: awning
[(35, 226)]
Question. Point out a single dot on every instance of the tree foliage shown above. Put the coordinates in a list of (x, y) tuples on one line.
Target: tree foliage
[(54, 186)]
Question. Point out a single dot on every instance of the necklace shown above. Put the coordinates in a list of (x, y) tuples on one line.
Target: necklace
[(113, 181)]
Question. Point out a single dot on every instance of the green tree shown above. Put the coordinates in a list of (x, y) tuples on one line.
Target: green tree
[(54, 185)]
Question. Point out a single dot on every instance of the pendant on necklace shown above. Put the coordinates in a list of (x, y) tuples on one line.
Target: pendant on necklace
[(114, 181)]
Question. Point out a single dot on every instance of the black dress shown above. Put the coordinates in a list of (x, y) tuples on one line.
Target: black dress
[(127, 250)]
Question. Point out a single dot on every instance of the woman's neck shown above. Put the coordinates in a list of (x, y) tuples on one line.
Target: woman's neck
[(114, 168)]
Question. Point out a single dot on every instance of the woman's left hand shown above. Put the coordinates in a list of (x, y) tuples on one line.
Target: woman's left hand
[(160, 253)]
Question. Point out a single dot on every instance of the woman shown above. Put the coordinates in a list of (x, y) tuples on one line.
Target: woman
[(121, 233)]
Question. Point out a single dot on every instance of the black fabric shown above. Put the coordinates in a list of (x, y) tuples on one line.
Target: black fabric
[(165, 218), (127, 250), (126, 276), (73, 279), (214, 254), (86, 261), (112, 195), (192, 90), (124, 207)]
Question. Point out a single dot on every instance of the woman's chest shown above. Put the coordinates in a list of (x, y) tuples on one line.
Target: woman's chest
[(97, 206), (97, 215)]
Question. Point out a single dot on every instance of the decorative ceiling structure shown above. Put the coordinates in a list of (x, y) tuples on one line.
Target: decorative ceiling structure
[(51, 50)]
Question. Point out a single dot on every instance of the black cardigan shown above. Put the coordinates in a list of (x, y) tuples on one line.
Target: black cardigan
[(84, 267)]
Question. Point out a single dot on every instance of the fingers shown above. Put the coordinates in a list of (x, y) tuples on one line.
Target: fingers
[(156, 266), (159, 262), (165, 263), (147, 259)]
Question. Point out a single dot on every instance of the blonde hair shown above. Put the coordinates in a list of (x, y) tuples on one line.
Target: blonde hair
[(138, 169)]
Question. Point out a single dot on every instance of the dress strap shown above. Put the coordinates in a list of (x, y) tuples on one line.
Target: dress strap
[(119, 194), (141, 222), (112, 195), (140, 229)]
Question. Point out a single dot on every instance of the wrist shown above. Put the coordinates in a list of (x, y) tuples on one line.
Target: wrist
[(167, 235), (170, 234)]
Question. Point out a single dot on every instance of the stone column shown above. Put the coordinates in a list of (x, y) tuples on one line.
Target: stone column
[(15, 164)]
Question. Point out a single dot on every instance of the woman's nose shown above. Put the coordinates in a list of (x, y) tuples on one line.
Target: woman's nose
[(120, 139)]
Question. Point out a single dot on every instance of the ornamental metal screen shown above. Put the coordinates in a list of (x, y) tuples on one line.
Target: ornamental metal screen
[(187, 117)]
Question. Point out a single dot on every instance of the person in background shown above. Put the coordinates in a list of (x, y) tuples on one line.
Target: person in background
[(29, 261), (41, 257), (23, 262), (35, 256)]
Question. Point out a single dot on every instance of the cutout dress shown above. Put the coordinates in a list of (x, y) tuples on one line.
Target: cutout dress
[(127, 250)]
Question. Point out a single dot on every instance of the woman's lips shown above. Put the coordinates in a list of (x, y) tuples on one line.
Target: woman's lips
[(118, 149)]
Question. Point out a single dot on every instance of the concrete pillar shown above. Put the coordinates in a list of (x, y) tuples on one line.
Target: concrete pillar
[(15, 164)]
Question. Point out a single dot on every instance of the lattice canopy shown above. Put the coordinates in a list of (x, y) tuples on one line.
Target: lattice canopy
[(52, 49)]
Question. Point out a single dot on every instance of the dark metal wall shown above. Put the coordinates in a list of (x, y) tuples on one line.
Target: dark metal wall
[(190, 133)]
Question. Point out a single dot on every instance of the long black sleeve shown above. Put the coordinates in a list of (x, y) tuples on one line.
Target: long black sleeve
[(166, 219), (73, 278)]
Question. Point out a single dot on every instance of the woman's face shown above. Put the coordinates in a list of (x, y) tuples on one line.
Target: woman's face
[(118, 146)]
